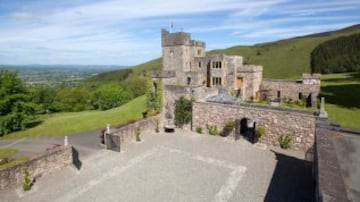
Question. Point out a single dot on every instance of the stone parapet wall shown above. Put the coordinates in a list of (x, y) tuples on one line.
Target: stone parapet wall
[(298, 124), (330, 184), (127, 133), (46, 162)]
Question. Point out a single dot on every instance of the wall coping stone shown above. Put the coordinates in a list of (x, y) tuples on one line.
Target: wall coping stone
[(265, 108)]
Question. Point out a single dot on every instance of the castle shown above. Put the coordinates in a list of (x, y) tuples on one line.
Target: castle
[(188, 71)]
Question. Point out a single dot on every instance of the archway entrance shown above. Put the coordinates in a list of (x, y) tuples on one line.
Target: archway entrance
[(245, 128)]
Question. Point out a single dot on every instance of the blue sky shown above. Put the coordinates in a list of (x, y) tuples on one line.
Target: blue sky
[(127, 32)]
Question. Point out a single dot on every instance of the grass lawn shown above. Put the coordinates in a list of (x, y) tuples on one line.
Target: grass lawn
[(8, 153), (342, 98), (75, 122)]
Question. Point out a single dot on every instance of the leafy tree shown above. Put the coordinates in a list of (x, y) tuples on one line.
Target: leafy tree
[(72, 99), (15, 107), (338, 55), (135, 85), (44, 97), (183, 111), (109, 96)]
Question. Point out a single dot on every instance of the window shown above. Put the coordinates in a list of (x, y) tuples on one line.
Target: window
[(188, 80), (199, 64), (217, 64), (171, 53), (199, 52), (216, 81), (278, 94), (300, 96)]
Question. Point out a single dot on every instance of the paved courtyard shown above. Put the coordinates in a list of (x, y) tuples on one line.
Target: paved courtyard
[(181, 166)]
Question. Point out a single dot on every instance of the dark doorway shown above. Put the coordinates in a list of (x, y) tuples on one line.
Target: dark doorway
[(246, 131), (309, 100)]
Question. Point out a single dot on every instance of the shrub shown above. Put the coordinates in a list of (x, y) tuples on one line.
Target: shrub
[(260, 131), (212, 130), (285, 141), (230, 125), (137, 134), (26, 184), (199, 130)]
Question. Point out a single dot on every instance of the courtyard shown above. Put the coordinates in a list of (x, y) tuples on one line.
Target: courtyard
[(180, 166)]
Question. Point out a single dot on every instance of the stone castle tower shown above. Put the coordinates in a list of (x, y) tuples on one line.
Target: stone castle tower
[(179, 53)]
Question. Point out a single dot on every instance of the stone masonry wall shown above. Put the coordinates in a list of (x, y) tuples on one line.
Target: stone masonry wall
[(127, 133), (290, 88), (49, 161), (298, 124)]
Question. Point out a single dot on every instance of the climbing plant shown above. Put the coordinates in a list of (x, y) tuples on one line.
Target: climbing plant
[(154, 99), (183, 111)]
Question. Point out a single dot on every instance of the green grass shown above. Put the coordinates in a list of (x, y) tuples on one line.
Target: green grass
[(13, 162), (8, 152), (342, 98), (75, 122)]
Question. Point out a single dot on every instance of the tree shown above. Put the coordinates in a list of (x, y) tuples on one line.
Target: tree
[(109, 96), (72, 99), (15, 107), (44, 97)]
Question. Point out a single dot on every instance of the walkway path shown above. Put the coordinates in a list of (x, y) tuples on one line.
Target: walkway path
[(182, 166)]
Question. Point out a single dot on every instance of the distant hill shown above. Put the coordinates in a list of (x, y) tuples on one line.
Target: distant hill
[(282, 59)]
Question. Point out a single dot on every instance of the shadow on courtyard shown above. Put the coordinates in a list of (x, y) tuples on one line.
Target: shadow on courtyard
[(76, 158), (291, 181)]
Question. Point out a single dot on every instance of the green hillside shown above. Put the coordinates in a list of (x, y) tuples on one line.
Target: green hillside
[(287, 58)]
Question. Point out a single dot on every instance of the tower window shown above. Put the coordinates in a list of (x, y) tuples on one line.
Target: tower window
[(199, 52), (188, 80), (199, 64), (171, 53)]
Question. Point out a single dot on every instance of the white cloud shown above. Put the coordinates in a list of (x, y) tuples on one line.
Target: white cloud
[(130, 29)]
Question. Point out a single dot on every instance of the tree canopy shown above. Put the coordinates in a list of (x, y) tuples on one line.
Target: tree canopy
[(338, 55), (15, 107)]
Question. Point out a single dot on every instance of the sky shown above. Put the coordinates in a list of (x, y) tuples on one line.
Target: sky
[(127, 32)]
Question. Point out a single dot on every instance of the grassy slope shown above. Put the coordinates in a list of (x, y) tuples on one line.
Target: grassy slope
[(74, 122), (287, 58), (342, 97)]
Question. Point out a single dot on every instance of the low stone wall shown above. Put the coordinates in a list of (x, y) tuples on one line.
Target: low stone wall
[(298, 124), (49, 161), (127, 133), (330, 184)]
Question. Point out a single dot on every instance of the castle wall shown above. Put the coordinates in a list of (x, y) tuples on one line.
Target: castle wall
[(298, 124), (289, 89)]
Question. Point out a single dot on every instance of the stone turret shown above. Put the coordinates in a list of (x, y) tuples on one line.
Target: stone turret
[(179, 53)]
